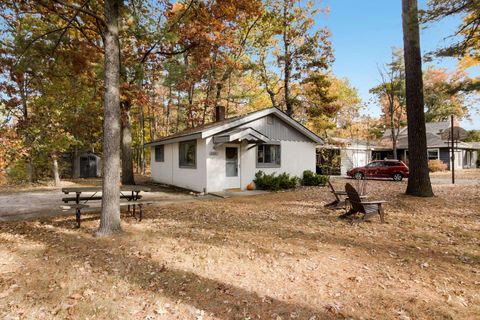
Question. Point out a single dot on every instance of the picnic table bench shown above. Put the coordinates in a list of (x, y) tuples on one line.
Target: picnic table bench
[(129, 192)]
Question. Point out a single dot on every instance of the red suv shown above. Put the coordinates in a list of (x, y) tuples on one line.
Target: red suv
[(392, 169)]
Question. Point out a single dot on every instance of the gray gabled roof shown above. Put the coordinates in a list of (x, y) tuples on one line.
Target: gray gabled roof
[(437, 127), (211, 129), (430, 127)]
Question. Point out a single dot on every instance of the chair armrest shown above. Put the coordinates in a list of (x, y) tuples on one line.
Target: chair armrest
[(373, 202)]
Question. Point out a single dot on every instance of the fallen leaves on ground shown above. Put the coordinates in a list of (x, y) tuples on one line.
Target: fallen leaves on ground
[(274, 256)]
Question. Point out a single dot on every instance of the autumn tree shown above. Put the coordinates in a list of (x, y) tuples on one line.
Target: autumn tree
[(468, 32), (302, 56), (339, 114), (442, 99), (43, 98), (419, 179), (390, 94), (213, 51), (87, 21), (473, 136)]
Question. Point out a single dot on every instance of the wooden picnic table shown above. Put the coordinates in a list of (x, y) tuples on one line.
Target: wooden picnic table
[(135, 191), (133, 188), (131, 198)]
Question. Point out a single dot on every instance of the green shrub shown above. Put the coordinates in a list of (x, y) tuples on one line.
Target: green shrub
[(17, 172), (272, 182), (312, 179)]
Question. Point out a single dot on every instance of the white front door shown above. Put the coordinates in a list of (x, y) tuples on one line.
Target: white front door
[(232, 166)]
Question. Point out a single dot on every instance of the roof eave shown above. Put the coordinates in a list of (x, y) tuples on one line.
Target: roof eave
[(192, 136), (249, 118)]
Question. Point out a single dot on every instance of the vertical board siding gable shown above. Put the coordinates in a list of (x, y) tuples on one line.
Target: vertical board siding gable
[(279, 130)]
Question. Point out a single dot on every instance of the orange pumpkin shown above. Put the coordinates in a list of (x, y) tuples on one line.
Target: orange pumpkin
[(250, 186)]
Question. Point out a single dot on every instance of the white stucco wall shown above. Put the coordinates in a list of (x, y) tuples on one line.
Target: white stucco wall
[(217, 179), (296, 157), (169, 171), (210, 173)]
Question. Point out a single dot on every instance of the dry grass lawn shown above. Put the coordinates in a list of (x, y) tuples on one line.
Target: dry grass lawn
[(275, 256)]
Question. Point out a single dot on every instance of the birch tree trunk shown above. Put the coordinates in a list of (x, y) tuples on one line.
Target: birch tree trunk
[(110, 216), (56, 175), (419, 179)]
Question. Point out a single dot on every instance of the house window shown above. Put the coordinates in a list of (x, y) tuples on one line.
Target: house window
[(160, 153), (268, 155), (433, 154), (187, 154)]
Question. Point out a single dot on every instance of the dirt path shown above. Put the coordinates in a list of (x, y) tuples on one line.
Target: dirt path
[(44, 203), (40, 203)]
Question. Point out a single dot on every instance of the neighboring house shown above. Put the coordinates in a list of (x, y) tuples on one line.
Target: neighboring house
[(438, 147), (226, 154)]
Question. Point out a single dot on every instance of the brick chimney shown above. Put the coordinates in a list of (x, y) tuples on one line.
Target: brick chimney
[(219, 113)]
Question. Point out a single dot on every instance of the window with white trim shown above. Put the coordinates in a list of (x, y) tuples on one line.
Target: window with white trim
[(160, 153), (187, 154), (268, 155), (433, 154)]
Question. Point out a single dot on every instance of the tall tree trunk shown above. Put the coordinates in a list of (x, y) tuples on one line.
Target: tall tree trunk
[(288, 62), (56, 175), (394, 146), (178, 112), (265, 80), (30, 167), (212, 74), (110, 216), (142, 140), (75, 163), (28, 137), (419, 179), (127, 154), (394, 138), (191, 91)]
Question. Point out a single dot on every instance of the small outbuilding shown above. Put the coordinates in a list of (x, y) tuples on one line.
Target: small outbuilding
[(350, 153), (84, 164), (89, 165)]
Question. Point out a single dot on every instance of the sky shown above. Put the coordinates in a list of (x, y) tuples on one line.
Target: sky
[(363, 34)]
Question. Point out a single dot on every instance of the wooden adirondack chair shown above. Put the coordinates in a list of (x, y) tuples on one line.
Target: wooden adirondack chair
[(368, 208), (340, 196)]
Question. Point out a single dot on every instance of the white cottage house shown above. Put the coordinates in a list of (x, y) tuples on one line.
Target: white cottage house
[(227, 153)]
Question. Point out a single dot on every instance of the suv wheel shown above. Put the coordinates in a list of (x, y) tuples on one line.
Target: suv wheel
[(358, 176), (397, 177)]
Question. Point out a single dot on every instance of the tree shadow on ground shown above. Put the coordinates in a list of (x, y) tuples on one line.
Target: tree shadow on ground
[(278, 226), (283, 228), (152, 276)]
